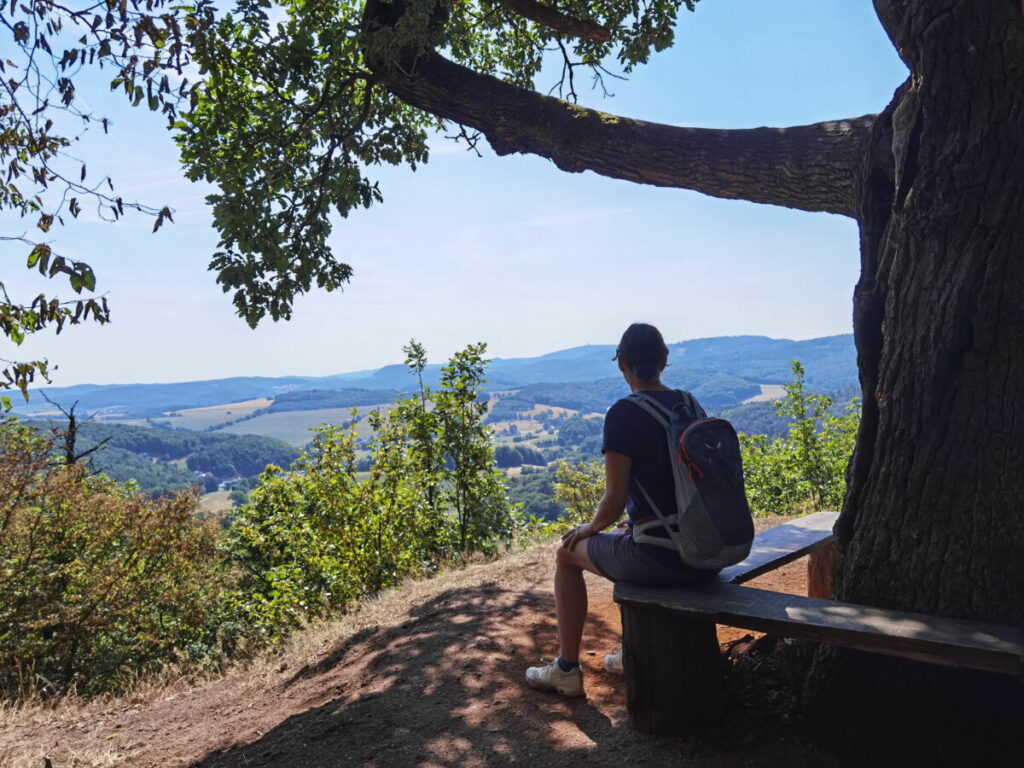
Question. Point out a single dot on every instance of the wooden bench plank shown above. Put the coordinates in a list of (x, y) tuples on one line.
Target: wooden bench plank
[(782, 544), (937, 640)]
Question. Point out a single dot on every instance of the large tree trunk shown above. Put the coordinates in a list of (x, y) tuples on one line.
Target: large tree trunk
[(934, 516), (934, 519)]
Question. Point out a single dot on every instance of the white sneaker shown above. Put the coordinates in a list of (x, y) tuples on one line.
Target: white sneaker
[(552, 678), (613, 663)]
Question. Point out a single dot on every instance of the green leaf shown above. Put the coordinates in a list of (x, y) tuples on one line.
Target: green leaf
[(39, 252)]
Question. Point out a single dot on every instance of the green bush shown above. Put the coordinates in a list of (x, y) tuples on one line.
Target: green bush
[(97, 582), (579, 488), (316, 539), (806, 469)]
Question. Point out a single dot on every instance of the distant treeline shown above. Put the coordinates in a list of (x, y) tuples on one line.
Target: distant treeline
[(516, 456), (317, 399), (152, 476)]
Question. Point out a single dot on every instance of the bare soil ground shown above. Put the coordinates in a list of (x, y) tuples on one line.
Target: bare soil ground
[(429, 675)]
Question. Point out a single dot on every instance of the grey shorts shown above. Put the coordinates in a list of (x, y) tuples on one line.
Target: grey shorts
[(619, 558)]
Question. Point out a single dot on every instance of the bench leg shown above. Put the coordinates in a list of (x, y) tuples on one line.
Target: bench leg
[(821, 572), (673, 665)]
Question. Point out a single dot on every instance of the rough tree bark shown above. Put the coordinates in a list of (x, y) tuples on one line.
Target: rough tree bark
[(934, 516)]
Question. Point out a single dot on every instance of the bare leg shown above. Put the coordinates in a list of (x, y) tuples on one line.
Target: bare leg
[(571, 597)]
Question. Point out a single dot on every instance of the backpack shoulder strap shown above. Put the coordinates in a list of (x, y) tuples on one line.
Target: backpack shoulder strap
[(652, 406), (695, 408)]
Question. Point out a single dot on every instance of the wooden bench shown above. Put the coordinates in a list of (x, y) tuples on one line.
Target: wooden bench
[(674, 669)]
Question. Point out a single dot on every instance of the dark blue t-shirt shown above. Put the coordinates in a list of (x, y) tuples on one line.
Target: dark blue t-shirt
[(631, 431)]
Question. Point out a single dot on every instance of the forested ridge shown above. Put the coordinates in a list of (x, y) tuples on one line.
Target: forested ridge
[(313, 399), (173, 446), (566, 417), (162, 460), (724, 370)]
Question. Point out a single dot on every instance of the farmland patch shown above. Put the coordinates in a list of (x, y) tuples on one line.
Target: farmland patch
[(295, 427)]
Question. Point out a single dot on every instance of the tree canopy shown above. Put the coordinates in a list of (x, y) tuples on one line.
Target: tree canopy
[(275, 104)]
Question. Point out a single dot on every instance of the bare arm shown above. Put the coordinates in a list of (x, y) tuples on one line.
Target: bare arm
[(612, 504)]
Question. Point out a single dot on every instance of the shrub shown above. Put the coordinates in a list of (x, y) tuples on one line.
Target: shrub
[(806, 469), (96, 581), (99, 582), (579, 488), (316, 539)]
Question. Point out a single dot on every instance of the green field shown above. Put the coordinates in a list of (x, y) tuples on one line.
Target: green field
[(294, 427), (203, 418)]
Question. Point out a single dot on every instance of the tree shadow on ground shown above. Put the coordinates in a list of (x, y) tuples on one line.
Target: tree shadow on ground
[(443, 688)]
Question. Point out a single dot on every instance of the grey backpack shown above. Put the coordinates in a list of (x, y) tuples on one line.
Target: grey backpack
[(711, 526)]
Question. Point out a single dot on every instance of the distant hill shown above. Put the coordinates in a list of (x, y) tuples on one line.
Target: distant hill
[(722, 371), (830, 362), (142, 400)]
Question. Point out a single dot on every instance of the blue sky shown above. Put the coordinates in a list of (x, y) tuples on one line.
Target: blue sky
[(510, 251)]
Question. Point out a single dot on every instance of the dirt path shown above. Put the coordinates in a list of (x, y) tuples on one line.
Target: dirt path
[(426, 676)]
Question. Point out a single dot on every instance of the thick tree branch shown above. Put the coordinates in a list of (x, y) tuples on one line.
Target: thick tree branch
[(810, 167), (554, 19)]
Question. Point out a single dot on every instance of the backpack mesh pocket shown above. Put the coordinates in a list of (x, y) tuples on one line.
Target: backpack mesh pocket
[(699, 540)]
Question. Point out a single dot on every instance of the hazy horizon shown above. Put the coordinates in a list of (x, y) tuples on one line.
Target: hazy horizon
[(398, 361)]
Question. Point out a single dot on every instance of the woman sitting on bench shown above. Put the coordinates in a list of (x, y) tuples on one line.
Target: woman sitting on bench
[(634, 450)]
